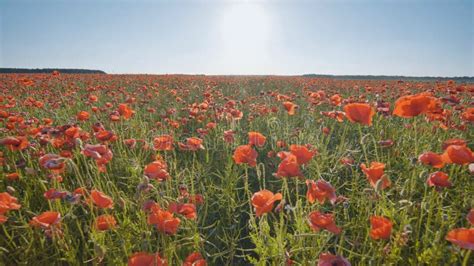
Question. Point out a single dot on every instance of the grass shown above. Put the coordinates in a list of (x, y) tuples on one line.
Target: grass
[(226, 231)]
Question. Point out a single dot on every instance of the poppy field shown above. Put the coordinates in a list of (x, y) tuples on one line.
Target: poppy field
[(234, 170)]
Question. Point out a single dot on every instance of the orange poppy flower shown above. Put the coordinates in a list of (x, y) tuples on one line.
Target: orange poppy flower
[(125, 111), (146, 259), (188, 210), (302, 153), (263, 201), (320, 190), (7, 203), (105, 222), (192, 144), (375, 173), (381, 227), (327, 259), (438, 179), (194, 259), (318, 221), (157, 170), (336, 100), (12, 176), (101, 200), (163, 143), (256, 139), (164, 221), (15, 143), (462, 237), (289, 166), (458, 155), (46, 219), (245, 154), (413, 105), (432, 159), (449, 142), (290, 107), (83, 116), (359, 113), (468, 115)]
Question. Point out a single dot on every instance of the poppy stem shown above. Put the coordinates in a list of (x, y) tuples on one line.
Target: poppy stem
[(466, 258), (361, 142)]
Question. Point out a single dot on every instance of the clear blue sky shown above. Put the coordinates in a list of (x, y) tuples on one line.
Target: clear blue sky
[(433, 38)]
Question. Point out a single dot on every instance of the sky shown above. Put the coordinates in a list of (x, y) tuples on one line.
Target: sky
[(357, 37)]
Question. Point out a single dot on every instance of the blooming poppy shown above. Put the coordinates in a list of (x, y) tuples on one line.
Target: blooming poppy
[(101, 200), (163, 143), (125, 111), (256, 139), (413, 105), (433, 159), (327, 259), (458, 155), (245, 154), (188, 210), (146, 259), (302, 153), (359, 113), (463, 237), (194, 259), (52, 162), (83, 116), (105, 222), (381, 227), (157, 170), (263, 201), (449, 142), (375, 173), (100, 153), (320, 190), (164, 221), (318, 221), (192, 144), (289, 166), (438, 179), (229, 136), (7, 203), (336, 100), (290, 107), (46, 219), (15, 143)]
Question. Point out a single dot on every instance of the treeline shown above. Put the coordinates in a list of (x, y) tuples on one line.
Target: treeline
[(382, 77), (50, 70)]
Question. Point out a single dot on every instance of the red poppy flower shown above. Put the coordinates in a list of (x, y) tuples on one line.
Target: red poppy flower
[(438, 179), (375, 173), (146, 259), (263, 201), (83, 116), (194, 259), (188, 210), (458, 155), (318, 221), (105, 222), (320, 190), (245, 154), (302, 153), (462, 237), (46, 219), (290, 107), (381, 227), (432, 159), (157, 170), (164, 221), (289, 166), (359, 113), (15, 143), (256, 139), (7, 203), (163, 143), (413, 105), (125, 111), (101, 200)]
